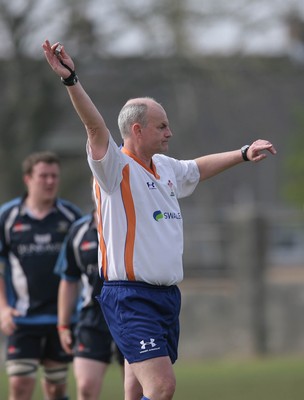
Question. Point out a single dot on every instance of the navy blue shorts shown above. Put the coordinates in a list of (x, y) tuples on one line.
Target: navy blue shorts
[(143, 319), (39, 342), (93, 339)]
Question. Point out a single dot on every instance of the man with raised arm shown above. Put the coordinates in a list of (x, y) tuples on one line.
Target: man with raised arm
[(140, 229)]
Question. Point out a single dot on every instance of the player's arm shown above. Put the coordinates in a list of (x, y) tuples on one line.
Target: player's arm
[(7, 313), (67, 298), (63, 66), (213, 164), (68, 292)]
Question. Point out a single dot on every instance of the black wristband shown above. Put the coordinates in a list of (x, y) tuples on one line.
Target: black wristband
[(244, 150), (70, 80)]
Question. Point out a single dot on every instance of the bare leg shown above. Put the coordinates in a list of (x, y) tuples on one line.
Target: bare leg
[(21, 387), (133, 389), (54, 385), (156, 377), (89, 376)]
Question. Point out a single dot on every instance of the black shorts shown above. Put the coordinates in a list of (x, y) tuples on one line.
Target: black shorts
[(38, 342), (93, 339)]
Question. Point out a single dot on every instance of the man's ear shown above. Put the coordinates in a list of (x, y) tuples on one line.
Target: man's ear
[(26, 179), (136, 129)]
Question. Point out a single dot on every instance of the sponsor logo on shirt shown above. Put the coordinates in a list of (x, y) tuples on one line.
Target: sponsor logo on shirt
[(42, 239), (151, 185), (42, 243), (170, 184), (158, 215), (39, 248), (63, 226), (86, 246), (19, 227)]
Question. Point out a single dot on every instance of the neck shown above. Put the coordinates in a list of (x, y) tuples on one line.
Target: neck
[(39, 209), (145, 159)]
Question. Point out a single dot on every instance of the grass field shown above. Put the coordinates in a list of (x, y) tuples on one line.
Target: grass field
[(262, 379)]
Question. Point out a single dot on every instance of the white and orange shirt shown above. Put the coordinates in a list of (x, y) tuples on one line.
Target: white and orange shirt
[(140, 221)]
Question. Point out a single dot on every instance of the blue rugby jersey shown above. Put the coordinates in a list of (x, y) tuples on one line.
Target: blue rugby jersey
[(29, 247), (78, 259)]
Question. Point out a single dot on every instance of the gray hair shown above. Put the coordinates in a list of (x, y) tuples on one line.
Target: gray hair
[(131, 114)]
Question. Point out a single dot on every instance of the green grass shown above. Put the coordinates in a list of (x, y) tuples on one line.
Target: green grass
[(262, 379)]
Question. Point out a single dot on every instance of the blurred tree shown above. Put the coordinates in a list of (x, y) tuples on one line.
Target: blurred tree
[(293, 190), (295, 24), (79, 30), (169, 28), (24, 103), (28, 102), (191, 27)]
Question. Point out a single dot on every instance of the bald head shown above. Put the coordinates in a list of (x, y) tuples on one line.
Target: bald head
[(135, 111)]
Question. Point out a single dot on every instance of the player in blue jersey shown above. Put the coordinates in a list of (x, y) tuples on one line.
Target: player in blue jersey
[(90, 342), (32, 230)]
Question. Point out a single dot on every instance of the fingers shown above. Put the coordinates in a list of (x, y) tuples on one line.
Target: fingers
[(259, 157), (261, 144), (58, 59), (8, 329), (272, 150), (66, 340), (257, 150), (8, 325), (66, 347), (52, 50), (15, 312)]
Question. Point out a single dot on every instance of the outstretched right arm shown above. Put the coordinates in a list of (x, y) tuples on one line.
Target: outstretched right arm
[(98, 134)]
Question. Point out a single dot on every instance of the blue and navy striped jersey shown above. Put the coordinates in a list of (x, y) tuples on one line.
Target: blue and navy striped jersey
[(29, 247)]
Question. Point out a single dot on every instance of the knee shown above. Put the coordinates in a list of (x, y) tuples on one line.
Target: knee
[(86, 388), (167, 390), (22, 376), (21, 387), (163, 389), (133, 389), (56, 375), (55, 379)]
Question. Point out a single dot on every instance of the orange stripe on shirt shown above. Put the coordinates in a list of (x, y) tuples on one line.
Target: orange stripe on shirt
[(131, 222), (102, 244), (152, 170)]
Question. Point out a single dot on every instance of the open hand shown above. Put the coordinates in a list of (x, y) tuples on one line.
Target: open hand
[(58, 62)]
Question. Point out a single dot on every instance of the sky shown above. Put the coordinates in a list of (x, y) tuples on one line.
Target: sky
[(254, 26), (246, 26)]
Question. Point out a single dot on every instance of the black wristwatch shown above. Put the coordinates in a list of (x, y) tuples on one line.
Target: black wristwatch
[(244, 150), (70, 80)]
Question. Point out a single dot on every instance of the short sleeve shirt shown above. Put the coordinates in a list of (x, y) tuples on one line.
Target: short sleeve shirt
[(140, 221)]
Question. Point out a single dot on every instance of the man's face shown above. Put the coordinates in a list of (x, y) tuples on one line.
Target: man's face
[(157, 132), (43, 182)]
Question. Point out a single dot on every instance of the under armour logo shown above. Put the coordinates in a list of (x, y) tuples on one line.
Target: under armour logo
[(144, 344), (151, 185)]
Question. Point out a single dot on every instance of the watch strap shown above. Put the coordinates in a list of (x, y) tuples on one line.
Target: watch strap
[(244, 150)]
